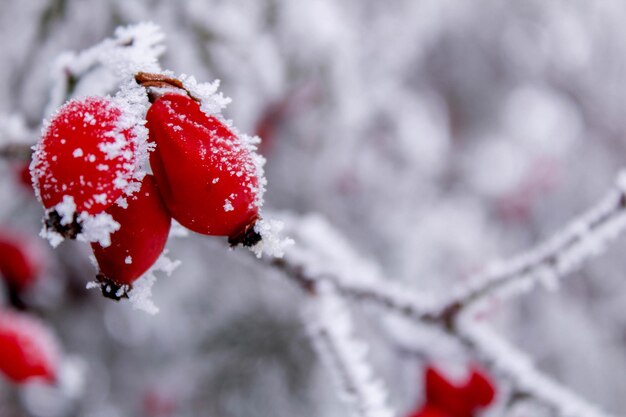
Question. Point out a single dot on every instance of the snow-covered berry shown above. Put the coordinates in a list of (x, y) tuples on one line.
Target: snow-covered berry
[(28, 349), (206, 175), (135, 247), (86, 157)]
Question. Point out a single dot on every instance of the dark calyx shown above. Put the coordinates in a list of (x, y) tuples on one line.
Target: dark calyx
[(111, 289), (68, 231), (248, 237)]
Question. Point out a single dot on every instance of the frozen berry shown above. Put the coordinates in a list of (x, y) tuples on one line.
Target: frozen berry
[(86, 153), (205, 173), (135, 247), (21, 259), (28, 349)]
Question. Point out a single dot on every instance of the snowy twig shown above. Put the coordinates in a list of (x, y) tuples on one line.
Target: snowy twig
[(321, 253), (529, 383), (322, 256), (330, 327), (585, 237)]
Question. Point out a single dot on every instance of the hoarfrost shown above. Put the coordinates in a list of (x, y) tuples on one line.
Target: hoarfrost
[(97, 228), (140, 295), (272, 243), (330, 327)]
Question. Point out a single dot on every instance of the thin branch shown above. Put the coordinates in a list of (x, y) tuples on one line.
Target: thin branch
[(491, 350), (16, 152), (530, 384), (583, 238), (330, 327), (312, 263)]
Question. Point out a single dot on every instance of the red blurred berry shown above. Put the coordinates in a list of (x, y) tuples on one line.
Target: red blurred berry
[(86, 154), (205, 173), (135, 247), (158, 403), (445, 399), (479, 389), (23, 177), (21, 259), (28, 349)]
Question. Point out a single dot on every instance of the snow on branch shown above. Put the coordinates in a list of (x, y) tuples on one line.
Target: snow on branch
[(529, 383), (322, 257), (321, 253), (15, 138), (133, 48), (583, 238), (330, 327)]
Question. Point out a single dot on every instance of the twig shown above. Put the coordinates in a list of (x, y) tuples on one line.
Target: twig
[(16, 151), (330, 327), (582, 239), (585, 237), (529, 383)]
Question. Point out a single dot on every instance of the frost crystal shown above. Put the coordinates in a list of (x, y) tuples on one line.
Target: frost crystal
[(271, 243), (211, 102), (140, 295), (97, 228)]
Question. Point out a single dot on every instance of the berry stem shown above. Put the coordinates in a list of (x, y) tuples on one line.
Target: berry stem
[(149, 80)]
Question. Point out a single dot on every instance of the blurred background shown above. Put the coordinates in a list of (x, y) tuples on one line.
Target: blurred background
[(436, 135)]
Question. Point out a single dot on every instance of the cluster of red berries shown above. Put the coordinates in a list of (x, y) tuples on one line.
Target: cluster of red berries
[(28, 349), (204, 176), (445, 399)]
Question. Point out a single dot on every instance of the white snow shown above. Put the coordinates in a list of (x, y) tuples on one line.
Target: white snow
[(97, 228), (272, 242), (140, 295), (330, 327)]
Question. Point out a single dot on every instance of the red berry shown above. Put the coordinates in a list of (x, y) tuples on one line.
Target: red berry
[(479, 389), (23, 177), (445, 396), (28, 350), (206, 175), (135, 247), (445, 399), (21, 259), (86, 154)]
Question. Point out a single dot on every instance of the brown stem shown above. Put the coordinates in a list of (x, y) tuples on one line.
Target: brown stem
[(16, 151), (148, 80)]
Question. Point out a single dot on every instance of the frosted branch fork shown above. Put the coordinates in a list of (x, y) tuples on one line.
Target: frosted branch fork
[(582, 239)]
